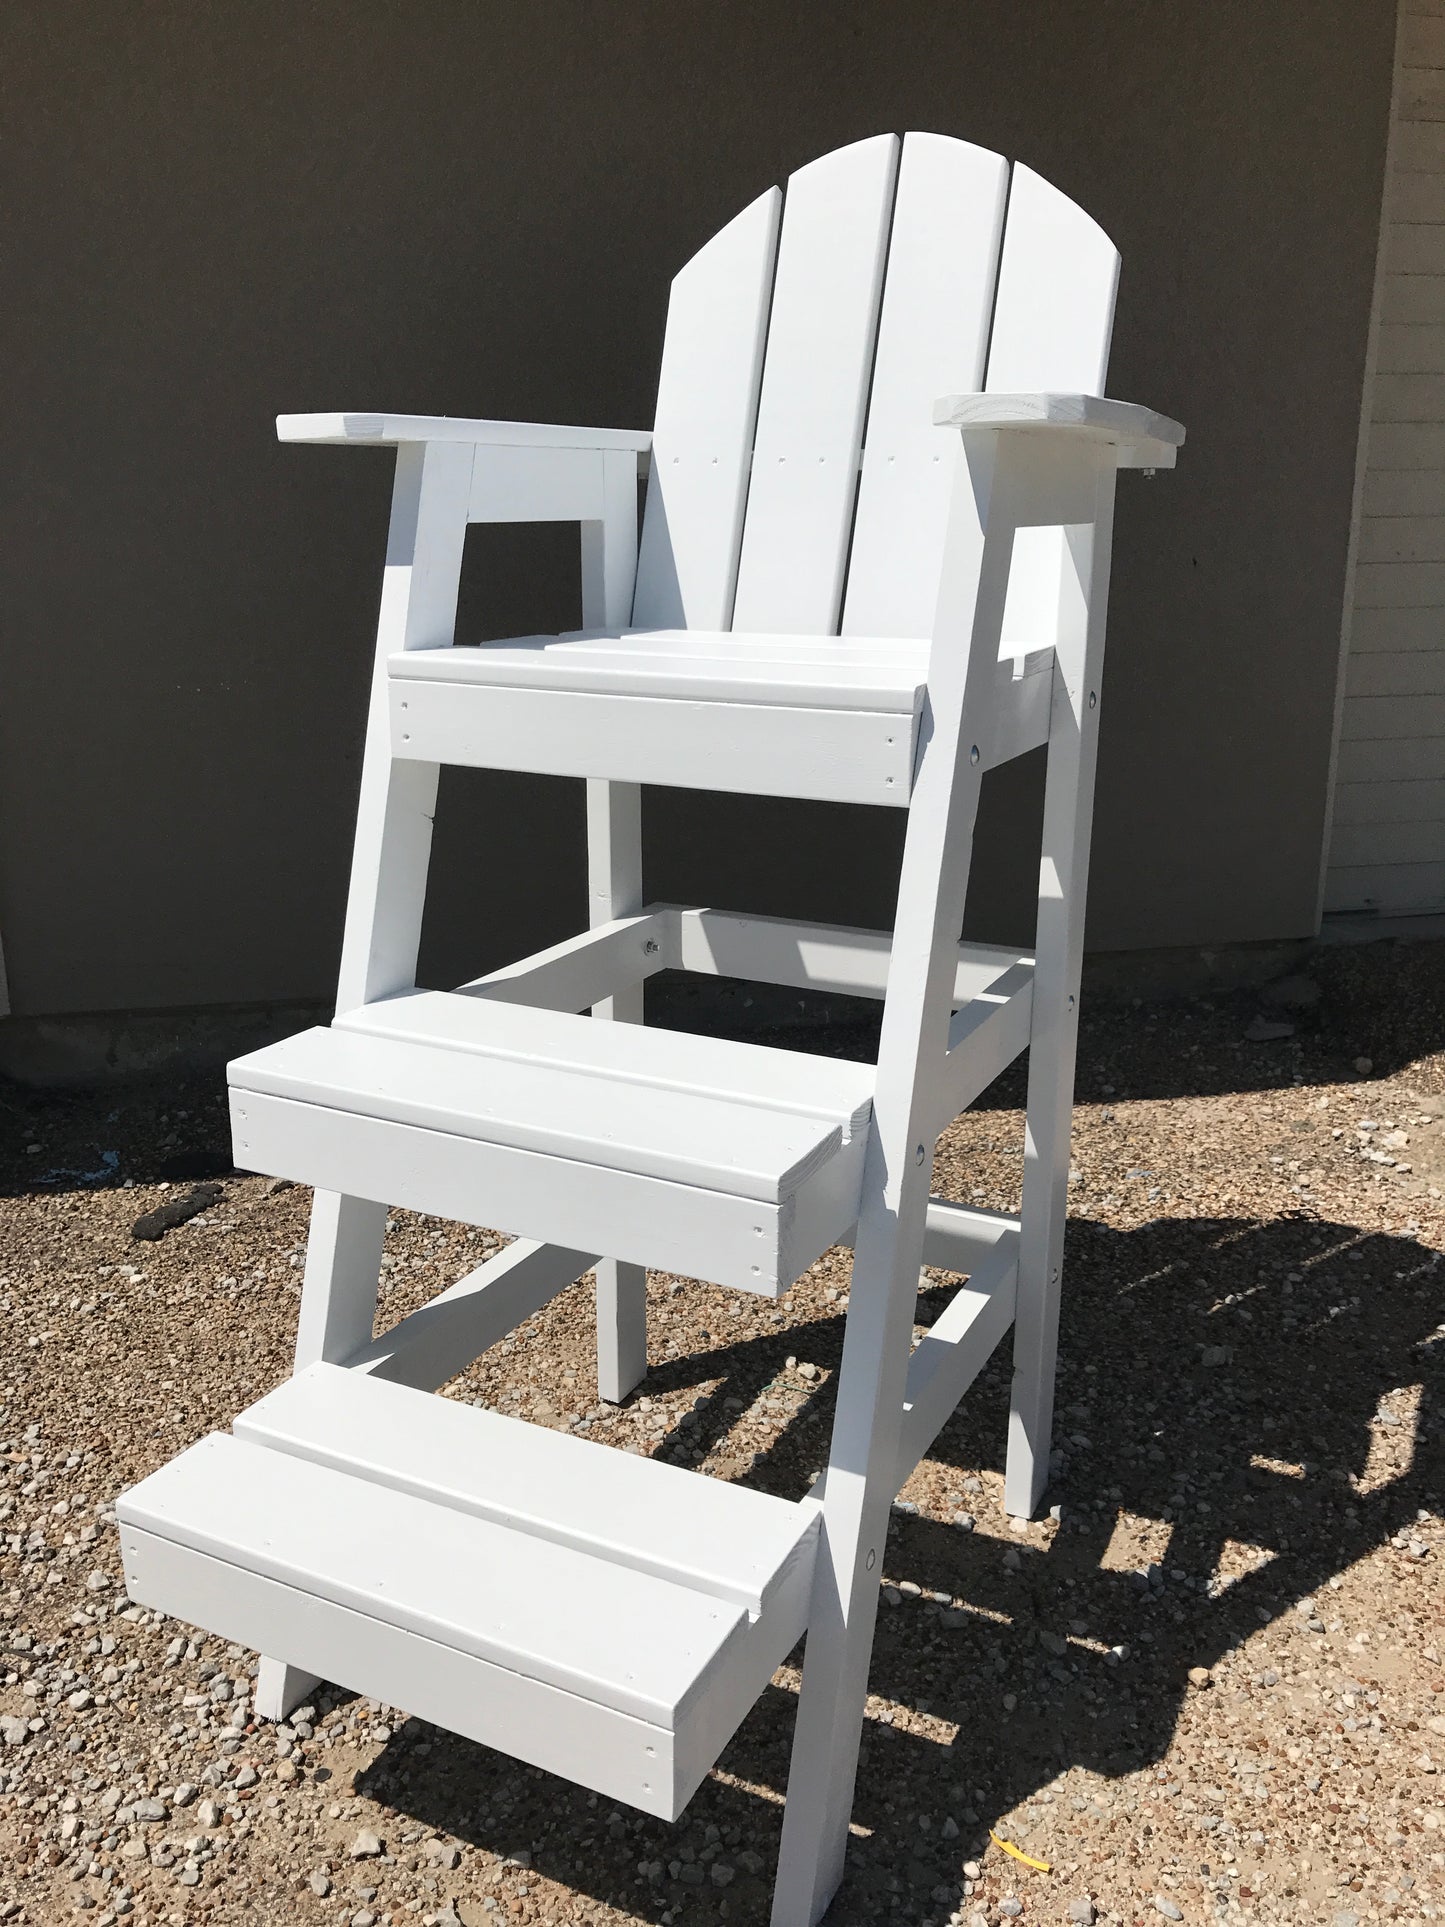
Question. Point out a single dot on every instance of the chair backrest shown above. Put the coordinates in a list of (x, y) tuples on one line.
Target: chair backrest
[(798, 485)]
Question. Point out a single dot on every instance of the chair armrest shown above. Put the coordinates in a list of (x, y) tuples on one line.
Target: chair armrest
[(391, 429), (1144, 439)]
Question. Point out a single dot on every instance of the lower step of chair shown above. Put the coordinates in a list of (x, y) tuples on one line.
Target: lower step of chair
[(606, 1617)]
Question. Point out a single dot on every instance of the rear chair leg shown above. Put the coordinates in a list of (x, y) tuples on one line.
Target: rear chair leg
[(614, 889)]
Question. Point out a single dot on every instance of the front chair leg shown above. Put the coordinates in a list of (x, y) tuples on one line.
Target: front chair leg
[(338, 1313)]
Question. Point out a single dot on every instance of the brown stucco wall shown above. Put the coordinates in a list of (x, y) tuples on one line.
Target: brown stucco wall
[(212, 214)]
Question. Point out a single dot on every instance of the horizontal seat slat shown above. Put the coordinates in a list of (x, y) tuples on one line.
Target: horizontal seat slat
[(735, 1544), (747, 1150), (826, 672), (708, 1067)]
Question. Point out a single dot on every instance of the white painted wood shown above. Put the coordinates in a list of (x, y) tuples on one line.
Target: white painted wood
[(431, 1611), (1053, 318), (642, 1514), (618, 1756), (1057, 284), (443, 1337), (430, 501), (959, 1237), (398, 798), (539, 485), (653, 1130), (932, 340), (953, 1352), (424, 429), (700, 1068), (706, 412), (746, 1243), (1063, 884), (755, 749), (614, 888), (984, 1037), (1151, 439), (610, 958), (834, 673), (501, 1595), (815, 387), (440, 1526), (894, 1200), (1397, 672), (816, 956)]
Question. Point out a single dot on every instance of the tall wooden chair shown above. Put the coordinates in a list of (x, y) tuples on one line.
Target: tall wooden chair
[(873, 565)]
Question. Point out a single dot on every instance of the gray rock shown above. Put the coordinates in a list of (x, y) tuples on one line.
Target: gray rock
[(183, 1795), (1081, 1911), (1267, 1030), (150, 1812), (319, 1883), (13, 1731), (1010, 1908), (1164, 1905), (248, 1776), (365, 1846)]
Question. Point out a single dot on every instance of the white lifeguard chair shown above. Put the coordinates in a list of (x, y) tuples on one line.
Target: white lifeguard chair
[(873, 565)]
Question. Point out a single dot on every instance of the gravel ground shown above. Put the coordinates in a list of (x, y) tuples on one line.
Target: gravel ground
[(1210, 1688)]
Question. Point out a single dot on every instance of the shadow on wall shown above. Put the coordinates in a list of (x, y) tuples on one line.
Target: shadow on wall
[(1229, 1382)]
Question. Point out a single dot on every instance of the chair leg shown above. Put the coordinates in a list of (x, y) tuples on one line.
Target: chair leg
[(1053, 1040), (856, 1503), (338, 1313), (614, 889), (621, 1329)]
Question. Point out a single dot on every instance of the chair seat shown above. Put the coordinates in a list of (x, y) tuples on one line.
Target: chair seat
[(731, 1162), (831, 718), (810, 672), (601, 1615)]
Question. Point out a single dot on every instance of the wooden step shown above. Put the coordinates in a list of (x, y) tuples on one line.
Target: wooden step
[(559, 1128), (538, 1593)]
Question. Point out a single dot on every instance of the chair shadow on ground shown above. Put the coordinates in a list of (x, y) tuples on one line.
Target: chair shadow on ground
[(1222, 1378)]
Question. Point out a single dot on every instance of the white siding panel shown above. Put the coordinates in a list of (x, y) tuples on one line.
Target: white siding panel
[(1413, 347), (1387, 844), (1359, 846), (1397, 629), (1414, 297), (1405, 491), (1403, 538), (1388, 759), (1390, 802), (1395, 672), (1394, 889), (1370, 719)]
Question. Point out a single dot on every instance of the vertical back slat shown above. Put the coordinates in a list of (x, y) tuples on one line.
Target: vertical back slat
[(707, 404), (932, 341), (815, 387), (1053, 318)]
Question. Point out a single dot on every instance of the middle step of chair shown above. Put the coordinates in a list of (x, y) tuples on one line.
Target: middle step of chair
[(736, 1163), (608, 1617)]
